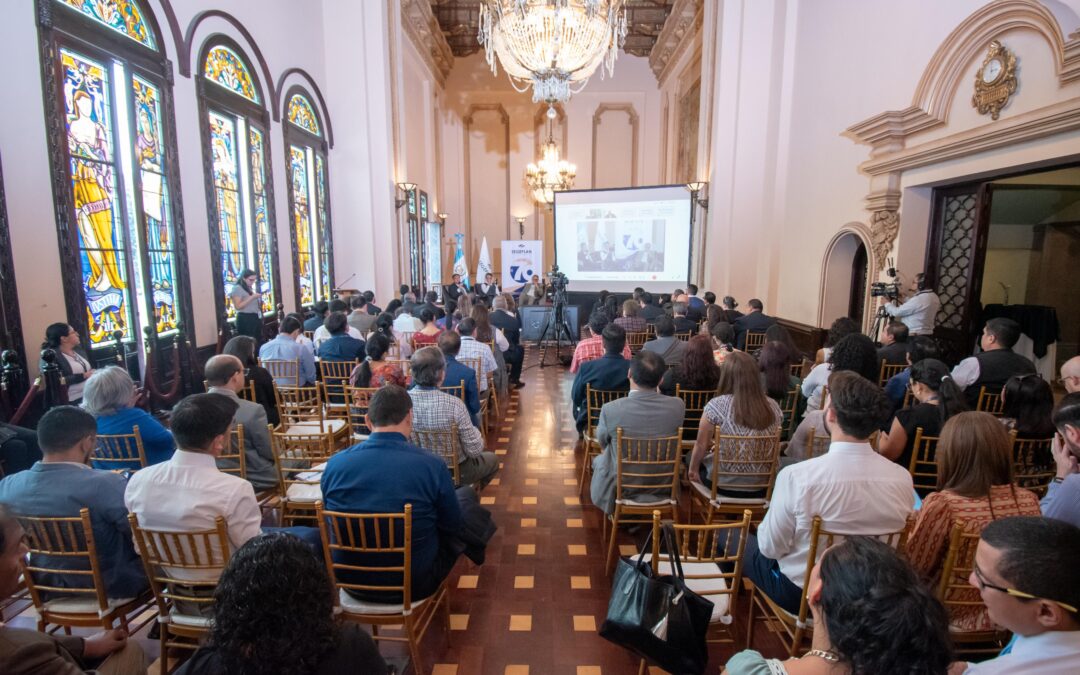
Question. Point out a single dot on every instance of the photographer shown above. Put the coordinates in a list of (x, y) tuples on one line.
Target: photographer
[(919, 312)]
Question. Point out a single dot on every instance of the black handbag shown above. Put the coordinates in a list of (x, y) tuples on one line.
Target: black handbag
[(658, 617)]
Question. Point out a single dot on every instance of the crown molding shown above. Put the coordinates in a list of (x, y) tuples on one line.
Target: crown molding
[(683, 24), (427, 37)]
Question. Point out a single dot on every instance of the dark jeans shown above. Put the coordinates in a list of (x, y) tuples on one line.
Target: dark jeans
[(515, 357), (251, 325), (766, 575), (18, 449)]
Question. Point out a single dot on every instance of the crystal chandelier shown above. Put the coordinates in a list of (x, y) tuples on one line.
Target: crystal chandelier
[(551, 174), (550, 45)]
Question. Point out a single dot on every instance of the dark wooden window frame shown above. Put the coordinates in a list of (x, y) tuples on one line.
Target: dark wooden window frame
[(11, 335)]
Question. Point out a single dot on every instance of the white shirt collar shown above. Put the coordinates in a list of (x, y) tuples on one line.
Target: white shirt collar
[(187, 458), (848, 447), (1045, 644)]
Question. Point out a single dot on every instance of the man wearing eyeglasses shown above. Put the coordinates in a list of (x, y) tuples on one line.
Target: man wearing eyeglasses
[(1070, 375), (1025, 570)]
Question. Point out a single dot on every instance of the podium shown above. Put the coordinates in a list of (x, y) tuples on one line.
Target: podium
[(346, 293)]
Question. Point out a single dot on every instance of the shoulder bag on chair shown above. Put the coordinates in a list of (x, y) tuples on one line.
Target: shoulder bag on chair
[(658, 618)]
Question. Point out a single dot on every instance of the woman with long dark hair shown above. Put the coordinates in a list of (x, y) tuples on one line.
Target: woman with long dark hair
[(248, 305), (243, 348), (74, 366), (723, 340), (274, 613), (698, 370), (937, 398), (872, 616), (1027, 407), (487, 333)]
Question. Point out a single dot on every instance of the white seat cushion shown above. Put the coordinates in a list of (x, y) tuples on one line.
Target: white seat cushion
[(646, 501), (706, 492), (312, 428), (82, 604), (720, 603), (189, 620), (351, 604)]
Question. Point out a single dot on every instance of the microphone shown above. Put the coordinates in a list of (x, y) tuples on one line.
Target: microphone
[(353, 276)]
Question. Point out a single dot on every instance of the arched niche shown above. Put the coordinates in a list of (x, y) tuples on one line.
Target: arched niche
[(841, 281)]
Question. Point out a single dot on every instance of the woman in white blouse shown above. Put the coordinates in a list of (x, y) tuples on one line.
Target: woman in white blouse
[(74, 366)]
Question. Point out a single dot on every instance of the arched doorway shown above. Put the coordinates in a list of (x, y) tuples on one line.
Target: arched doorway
[(846, 276)]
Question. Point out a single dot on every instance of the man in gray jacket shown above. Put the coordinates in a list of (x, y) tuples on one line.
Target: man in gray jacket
[(669, 347), (225, 376), (645, 413)]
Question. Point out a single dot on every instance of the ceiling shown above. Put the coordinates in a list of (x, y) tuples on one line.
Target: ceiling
[(460, 21)]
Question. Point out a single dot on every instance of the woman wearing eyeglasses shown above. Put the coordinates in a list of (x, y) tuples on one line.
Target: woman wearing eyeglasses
[(975, 476)]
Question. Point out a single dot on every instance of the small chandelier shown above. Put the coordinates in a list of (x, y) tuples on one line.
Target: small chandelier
[(551, 174), (550, 45)]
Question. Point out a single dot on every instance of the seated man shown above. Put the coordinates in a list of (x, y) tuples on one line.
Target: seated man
[(372, 308), (284, 347), (853, 489), (650, 311), (683, 323), (755, 321), (225, 375), (607, 372), (644, 413), (430, 300), (62, 483), (30, 652), (433, 409), (471, 349), (1062, 500), (360, 318), (321, 334), (1025, 570), (592, 347), (995, 364), (341, 346), (318, 314), (894, 344), (669, 347), (382, 475), (459, 375)]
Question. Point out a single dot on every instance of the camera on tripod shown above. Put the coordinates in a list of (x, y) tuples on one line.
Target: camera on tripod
[(890, 290), (558, 280)]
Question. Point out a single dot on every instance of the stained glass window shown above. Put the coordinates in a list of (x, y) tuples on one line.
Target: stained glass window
[(301, 212), (123, 16), (263, 250), (225, 68), (302, 114), (324, 233)]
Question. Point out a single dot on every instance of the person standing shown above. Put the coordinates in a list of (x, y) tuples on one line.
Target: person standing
[(75, 368), (919, 312), (248, 305)]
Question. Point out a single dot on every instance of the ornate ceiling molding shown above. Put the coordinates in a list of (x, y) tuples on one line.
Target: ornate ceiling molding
[(427, 37), (683, 23)]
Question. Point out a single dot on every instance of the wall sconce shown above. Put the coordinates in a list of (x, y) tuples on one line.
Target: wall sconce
[(521, 226), (443, 217), (405, 188), (695, 189)]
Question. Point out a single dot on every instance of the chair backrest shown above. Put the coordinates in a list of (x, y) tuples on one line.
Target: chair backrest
[(720, 544), (201, 555), (458, 391), (888, 370), (1033, 463), (248, 392), (908, 398), (443, 442), (816, 445), (789, 408), (335, 377), (300, 405), (637, 340), (404, 364), (754, 340), (684, 336), (359, 398), (119, 450), (69, 543), (296, 455), (745, 463), (923, 467), (954, 590), (594, 401), (383, 541), (309, 334), (695, 401), (285, 373), (647, 464), (990, 402), (796, 369), (476, 364), (231, 460)]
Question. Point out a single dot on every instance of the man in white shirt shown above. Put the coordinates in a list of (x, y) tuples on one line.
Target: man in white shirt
[(1025, 570), (321, 334), (853, 489), (471, 349), (919, 312)]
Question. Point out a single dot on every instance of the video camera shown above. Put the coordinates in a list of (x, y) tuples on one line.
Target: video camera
[(557, 280), (890, 290)]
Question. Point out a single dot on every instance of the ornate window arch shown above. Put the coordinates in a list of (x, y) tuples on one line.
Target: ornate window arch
[(239, 177), (309, 203), (112, 144)]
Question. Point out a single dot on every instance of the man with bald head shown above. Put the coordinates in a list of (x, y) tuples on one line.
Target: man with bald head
[(1070, 374), (225, 377)]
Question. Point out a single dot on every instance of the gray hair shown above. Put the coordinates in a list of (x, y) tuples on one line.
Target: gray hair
[(410, 297), (499, 302), (108, 391), (678, 308), (428, 365)]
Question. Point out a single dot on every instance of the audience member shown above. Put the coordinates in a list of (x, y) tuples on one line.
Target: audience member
[(919, 347), (31, 652), (392, 307), (62, 484), (870, 615), (1070, 374), (778, 380), (1062, 500), (1028, 407), (302, 339), (532, 293), (436, 410), (18, 449), (854, 352), (404, 321), (504, 319), (608, 372), (698, 370), (995, 364), (341, 346), (853, 489), (473, 349), (937, 398), (372, 308), (429, 334), (644, 413), (723, 339), (1025, 571), (110, 396), (408, 300), (321, 334), (493, 338), (731, 315), (631, 320), (274, 613), (487, 289), (683, 323), (713, 316), (319, 311), (894, 344), (666, 344), (285, 348), (225, 376), (777, 333), (375, 371), (360, 318), (649, 310), (756, 321), (243, 348), (75, 368), (460, 375), (840, 329), (430, 302), (710, 298), (592, 347), (695, 306)]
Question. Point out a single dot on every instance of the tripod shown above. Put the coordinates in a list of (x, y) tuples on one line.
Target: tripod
[(880, 321), (556, 327)]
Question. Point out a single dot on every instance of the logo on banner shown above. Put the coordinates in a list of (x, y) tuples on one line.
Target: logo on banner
[(521, 270)]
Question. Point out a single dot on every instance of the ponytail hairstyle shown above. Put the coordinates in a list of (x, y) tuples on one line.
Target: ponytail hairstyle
[(54, 333), (935, 375), (377, 346), (244, 274), (384, 325)]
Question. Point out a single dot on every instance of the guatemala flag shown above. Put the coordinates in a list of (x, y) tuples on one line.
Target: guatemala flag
[(459, 260)]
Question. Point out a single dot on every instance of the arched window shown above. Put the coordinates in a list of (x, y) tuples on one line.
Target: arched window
[(108, 95), (239, 180), (308, 203)]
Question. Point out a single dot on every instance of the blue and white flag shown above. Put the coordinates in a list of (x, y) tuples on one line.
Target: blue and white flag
[(483, 264), (459, 259)]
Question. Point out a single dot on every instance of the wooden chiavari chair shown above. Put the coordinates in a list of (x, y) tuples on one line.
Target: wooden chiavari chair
[(299, 460), (684, 336), (445, 443), (594, 401), (119, 451), (302, 413), (990, 402), (458, 391), (1033, 463), (790, 409), (816, 445), (956, 593), (924, 466), (888, 370), (359, 398), (334, 376), (694, 402), (754, 341), (285, 373), (232, 459), (637, 340), (739, 464)]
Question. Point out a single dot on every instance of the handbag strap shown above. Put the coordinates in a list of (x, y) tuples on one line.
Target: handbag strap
[(673, 553), (640, 562)]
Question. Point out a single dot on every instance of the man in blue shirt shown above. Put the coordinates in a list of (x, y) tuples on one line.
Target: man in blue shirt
[(382, 475), (458, 374), (1062, 500), (284, 347), (62, 483), (341, 346), (320, 309), (607, 372)]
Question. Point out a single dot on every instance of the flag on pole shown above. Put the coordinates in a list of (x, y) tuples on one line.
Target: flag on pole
[(459, 259), (483, 264)]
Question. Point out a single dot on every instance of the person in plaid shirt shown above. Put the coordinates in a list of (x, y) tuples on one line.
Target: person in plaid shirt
[(592, 348), (471, 349)]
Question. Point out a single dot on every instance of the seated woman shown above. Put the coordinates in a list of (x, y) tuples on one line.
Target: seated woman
[(871, 615), (384, 325), (713, 316), (74, 367), (631, 319), (1027, 406), (698, 370), (839, 329), (741, 409), (274, 613), (854, 352), (110, 397), (723, 339), (374, 371), (777, 333), (975, 487), (243, 348), (775, 363), (488, 334), (937, 398), (429, 334)]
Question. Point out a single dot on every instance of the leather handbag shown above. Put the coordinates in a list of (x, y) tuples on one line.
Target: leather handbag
[(658, 617)]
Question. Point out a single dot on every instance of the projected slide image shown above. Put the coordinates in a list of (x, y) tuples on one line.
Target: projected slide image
[(621, 245)]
